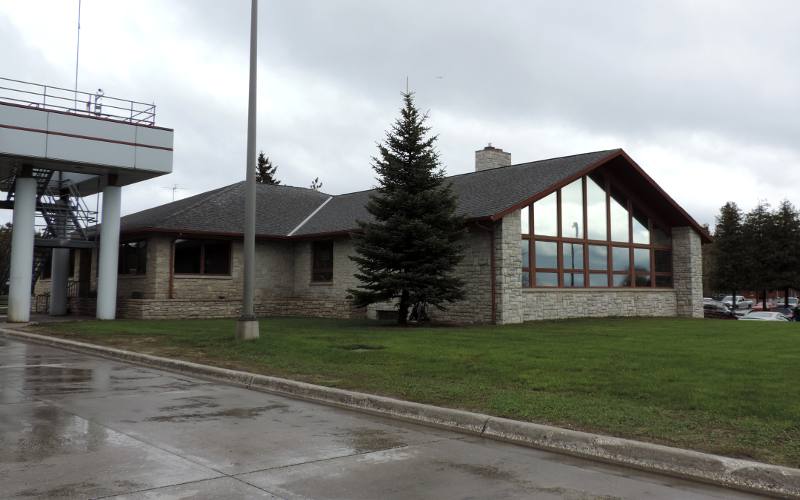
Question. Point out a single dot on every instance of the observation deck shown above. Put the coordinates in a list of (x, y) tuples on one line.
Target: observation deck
[(85, 136), (57, 146)]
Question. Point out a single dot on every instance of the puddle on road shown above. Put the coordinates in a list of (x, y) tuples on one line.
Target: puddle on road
[(237, 413), (364, 440)]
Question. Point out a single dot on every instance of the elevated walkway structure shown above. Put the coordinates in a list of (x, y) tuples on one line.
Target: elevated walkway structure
[(56, 147)]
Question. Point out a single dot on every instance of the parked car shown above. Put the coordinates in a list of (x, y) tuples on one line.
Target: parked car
[(716, 309), (764, 316), (715, 305), (787, 312), (741, 302)]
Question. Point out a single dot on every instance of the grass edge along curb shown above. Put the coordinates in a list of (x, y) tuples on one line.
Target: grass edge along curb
[(746, 475)]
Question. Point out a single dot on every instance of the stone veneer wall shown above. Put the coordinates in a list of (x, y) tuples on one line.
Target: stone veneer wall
[(284, 286), (475, 270), (515, 304), (560, 303), (687, 271), (508, 270)]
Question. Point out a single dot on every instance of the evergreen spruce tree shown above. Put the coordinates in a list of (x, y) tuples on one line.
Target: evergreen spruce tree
[(787, 248), (410, 249), (759, 265), (728, 252), (265, 171)]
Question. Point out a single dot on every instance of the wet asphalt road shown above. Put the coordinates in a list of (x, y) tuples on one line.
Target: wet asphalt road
[(76, 426)]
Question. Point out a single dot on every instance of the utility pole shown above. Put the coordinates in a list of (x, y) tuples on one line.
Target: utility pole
[(247, 325)]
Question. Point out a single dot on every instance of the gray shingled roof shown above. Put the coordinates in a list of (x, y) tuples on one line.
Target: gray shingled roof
[(480, 194), (281, 209)]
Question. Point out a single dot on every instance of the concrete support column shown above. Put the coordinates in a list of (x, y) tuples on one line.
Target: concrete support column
[(59, 275), (687, 271), (21, 273), (108, 262), (508, 270)]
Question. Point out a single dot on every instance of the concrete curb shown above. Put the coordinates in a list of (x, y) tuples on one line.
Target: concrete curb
[(744, 475)]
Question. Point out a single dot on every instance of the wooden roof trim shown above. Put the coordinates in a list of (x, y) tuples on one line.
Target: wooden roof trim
[(619, 153)]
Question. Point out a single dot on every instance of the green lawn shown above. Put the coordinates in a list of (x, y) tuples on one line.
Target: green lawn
[(724, 387)]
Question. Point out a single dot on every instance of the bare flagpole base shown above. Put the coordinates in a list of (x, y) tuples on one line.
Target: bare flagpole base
[(246, 329)]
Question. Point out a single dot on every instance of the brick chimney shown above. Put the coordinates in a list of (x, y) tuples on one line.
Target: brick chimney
[(491, 157)]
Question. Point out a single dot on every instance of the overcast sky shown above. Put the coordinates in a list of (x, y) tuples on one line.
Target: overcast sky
[(704, 95)]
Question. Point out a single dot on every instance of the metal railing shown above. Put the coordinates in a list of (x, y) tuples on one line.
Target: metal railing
[(95, 104)]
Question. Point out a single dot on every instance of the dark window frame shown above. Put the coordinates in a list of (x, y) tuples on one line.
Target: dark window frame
[(203, 242), (562, 271), (318, 273), (123, 261), (47, 265)]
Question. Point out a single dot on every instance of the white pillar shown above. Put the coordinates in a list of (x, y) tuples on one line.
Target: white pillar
[(107, 267), (59, 275), (21, 274)]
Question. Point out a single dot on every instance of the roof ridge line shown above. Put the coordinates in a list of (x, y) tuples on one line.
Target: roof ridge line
[(203, 200), (497, 168), (312, 214), (536, 161)]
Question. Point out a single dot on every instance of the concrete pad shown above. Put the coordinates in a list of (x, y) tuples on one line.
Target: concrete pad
[(234, 430), (88, 434), (10, 396), (46, 452), (473, 468), (43, 371), (211, 489)]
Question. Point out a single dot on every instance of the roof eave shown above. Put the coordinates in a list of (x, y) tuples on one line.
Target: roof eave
[(618, 153)]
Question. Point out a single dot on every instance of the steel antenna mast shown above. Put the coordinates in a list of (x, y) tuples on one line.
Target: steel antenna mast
[(77, 58)]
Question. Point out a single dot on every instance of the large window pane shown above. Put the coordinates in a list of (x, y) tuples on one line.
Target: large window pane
[(525, 220), (642, 280), (546, 279), (573, 280), (598, 258), (661, 237), (526, 279), (596, 224), (663, 261), (641, 233), (573, 255), (524, 248), (545, 216), (619, 217), (621, 259), (664, 280), (621, 280), (598, 280), (572, 210), (217, 257), (641, 260), (546, 254), (187, 256)]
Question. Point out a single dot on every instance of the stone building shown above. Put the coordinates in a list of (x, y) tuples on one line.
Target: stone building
[(584, 235)]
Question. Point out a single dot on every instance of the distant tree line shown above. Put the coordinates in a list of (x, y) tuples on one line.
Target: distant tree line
[(266, 173), (758, 250)]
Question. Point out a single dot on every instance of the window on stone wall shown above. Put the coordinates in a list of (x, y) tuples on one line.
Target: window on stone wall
[(194, 256), (593, 233), (322, 261), (133, 257), (47, 265)]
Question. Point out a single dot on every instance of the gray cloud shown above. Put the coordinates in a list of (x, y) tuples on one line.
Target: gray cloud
[(700, 93)]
